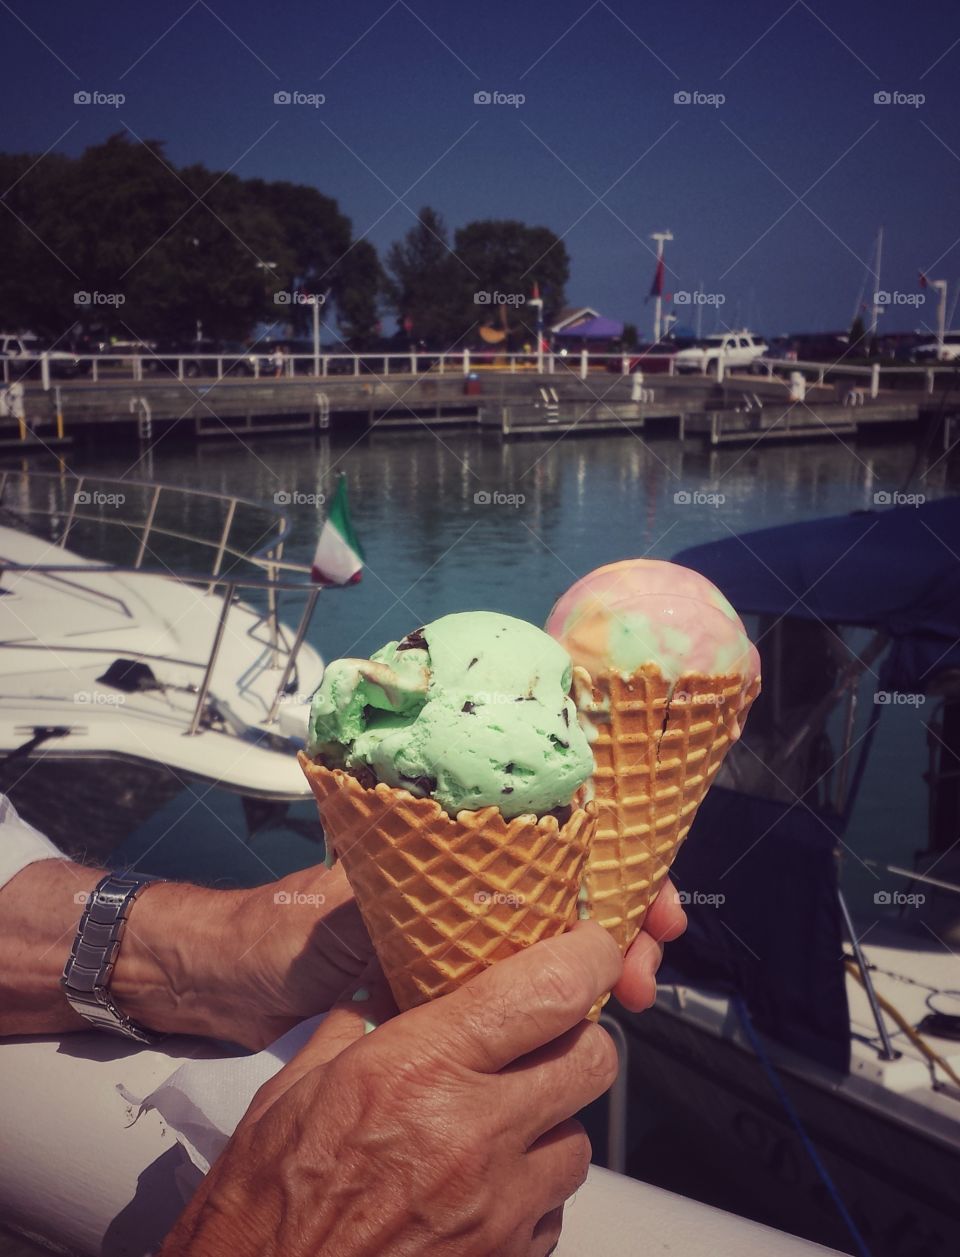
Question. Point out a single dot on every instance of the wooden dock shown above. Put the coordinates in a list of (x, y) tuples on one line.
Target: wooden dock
[(741, 409)]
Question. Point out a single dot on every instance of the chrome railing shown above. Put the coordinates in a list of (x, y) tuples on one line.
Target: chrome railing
[(273, 575)]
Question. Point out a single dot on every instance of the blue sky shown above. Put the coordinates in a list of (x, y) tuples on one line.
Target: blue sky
[(774, 194)]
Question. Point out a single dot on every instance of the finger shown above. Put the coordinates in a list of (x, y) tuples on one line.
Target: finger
[(557, 1165), (351, 1018), (637, 988), (548, 1086), (546, 1234), (518, 1004), (666, 919)]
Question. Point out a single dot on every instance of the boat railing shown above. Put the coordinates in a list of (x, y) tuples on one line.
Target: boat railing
[(64, 498), (69, 494)]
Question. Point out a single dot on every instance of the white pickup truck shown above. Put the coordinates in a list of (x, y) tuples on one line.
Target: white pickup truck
[(738, 349)]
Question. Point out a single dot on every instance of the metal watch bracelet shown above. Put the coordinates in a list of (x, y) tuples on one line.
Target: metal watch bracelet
[(89, 968)]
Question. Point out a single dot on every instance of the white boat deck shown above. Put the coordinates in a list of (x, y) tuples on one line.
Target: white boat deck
[(60, 632)]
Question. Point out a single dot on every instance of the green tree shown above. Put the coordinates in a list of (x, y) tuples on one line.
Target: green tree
[(359, 283), (428, 285), (858, 335), (507, 256)]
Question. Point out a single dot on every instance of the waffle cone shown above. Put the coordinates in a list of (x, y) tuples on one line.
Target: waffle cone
[(657, 748), (443, 898)]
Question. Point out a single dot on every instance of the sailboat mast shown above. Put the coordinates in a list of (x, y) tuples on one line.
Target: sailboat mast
[(876, 310)]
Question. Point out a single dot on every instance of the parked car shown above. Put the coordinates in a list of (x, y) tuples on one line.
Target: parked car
[(780, 349), (197, 357), (738, 349), (932, 351), (20, 358)]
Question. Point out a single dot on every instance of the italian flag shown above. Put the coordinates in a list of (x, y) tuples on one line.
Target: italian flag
[(339, 556)]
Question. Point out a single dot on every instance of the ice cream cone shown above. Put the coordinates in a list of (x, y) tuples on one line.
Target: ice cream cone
[(657, 748), (444, 897)]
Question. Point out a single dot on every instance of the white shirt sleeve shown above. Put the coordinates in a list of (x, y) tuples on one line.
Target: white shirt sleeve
[(20, 843)]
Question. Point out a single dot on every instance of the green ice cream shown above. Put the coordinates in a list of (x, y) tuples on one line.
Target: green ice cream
[(472, 710)]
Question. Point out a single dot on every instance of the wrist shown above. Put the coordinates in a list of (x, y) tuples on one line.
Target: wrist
[(165, 977)]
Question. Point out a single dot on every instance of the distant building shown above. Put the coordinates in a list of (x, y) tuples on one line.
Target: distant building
[(585, 328)]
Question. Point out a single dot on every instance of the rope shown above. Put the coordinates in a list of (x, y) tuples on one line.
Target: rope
[(914, 1036), (773, 1078)]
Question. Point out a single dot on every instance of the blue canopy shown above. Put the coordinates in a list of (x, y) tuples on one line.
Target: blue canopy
[(894, 570), (594, 329)]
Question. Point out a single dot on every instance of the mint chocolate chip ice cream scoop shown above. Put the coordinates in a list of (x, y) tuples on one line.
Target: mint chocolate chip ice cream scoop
[(472, 710)]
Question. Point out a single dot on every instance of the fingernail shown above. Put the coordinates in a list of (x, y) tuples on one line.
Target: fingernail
[(360, 994), (368, 1025)]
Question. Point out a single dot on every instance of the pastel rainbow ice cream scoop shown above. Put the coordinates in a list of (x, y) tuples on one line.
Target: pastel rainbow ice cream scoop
[(647, 611)]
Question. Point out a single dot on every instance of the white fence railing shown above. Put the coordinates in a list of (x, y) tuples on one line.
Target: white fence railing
[(48, 369)]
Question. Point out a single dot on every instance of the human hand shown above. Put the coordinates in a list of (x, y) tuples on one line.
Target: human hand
[(447, 1130), (664, 922)]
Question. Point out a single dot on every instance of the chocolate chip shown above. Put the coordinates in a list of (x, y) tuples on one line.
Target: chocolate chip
[(413, 641), (507, 790), (508, 768), (566, 717), (469, 707), (475, 659), (426, 784), (559, 742), (365, 775)]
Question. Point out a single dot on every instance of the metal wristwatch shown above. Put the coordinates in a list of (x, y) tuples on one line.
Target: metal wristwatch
[(89, 968)]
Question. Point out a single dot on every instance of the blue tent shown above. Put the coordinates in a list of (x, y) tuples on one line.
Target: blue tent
[(895, 570), (593, 329)]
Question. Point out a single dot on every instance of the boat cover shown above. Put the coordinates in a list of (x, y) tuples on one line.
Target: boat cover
[(760, 881), (895, 570)]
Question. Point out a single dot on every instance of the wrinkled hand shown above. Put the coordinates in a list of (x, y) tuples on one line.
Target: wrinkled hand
[(446, 1130)]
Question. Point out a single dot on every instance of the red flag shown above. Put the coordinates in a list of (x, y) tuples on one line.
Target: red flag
[(536, 291), (923, 280), (656, 288)]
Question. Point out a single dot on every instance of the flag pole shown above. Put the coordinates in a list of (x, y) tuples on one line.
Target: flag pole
[(660, 237), (537, 300)]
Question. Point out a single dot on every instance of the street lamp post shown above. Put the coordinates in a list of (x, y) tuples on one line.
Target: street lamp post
[(661, 237)]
